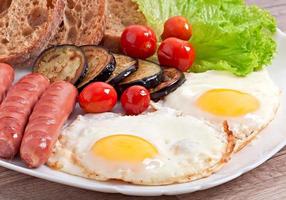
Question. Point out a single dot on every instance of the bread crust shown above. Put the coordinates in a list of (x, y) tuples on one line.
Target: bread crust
[(119, 15), (111, 41), (54, 18)]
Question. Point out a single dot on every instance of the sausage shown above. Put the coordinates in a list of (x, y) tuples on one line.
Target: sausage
[(16, 109), (45, 123), (6, 79)]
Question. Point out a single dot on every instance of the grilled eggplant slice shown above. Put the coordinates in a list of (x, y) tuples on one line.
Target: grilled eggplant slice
[(125, 66), (63, 62), (172, 79), (101, 64), (148, 75)]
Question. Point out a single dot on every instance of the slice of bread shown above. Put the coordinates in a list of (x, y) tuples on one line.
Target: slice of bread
[(83, 24), (120, 13), (26, 27)]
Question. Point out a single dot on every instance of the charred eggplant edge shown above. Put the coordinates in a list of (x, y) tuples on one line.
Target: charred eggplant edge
[(105, 73), (147, 82), (125, 73), (156, 96)]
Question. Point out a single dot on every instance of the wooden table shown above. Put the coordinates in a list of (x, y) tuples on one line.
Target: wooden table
[(266, 182)]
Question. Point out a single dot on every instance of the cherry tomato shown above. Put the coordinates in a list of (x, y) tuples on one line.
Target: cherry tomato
[(176, 53), (135, 100), (177, 27), (98, 97), (138, 41)]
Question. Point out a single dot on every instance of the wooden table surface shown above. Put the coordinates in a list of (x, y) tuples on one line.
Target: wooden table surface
[(265, 182)]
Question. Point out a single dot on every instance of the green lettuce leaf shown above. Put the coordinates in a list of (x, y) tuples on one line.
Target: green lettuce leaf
[(227, 34)]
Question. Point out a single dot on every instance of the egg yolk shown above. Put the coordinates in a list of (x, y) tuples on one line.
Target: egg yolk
[(226, 102), (126, 148)]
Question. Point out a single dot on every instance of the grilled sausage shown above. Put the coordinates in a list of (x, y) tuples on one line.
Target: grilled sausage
[(6, 79), (45, 123), (16, 109)]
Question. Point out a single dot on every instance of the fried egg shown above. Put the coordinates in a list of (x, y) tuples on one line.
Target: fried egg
[(247, 103), (152, 149)]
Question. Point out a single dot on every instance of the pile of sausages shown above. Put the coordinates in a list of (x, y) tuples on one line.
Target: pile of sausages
[(32, 113)]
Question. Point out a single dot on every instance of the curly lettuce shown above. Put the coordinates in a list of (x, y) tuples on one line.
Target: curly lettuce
[(227, 34)]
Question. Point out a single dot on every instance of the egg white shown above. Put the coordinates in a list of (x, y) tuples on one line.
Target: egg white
[(188, 148), (258, 84)]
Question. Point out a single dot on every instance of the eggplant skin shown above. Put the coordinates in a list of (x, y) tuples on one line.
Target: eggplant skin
[(105, 74), (123, 75), (125, 66), (81, 71), (166, 87), (83, 74), (147, 82), (102, 77)]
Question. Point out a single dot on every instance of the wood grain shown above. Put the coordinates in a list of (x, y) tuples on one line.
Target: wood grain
[(266, 182)]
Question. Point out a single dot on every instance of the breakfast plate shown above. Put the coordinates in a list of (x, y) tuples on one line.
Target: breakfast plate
[(269, 142)]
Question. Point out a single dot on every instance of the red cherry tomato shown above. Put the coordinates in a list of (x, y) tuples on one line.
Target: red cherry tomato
[(98, 97), (138, 41), (135, 100), (176, 53), (177, 27)]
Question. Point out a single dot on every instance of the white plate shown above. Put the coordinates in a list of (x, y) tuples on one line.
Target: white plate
[(269, 142)]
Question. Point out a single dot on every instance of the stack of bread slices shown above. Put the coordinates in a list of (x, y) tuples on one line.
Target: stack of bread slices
[(27, 27)]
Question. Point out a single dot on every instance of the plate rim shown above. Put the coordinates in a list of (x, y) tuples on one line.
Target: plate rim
[(153, 190)]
